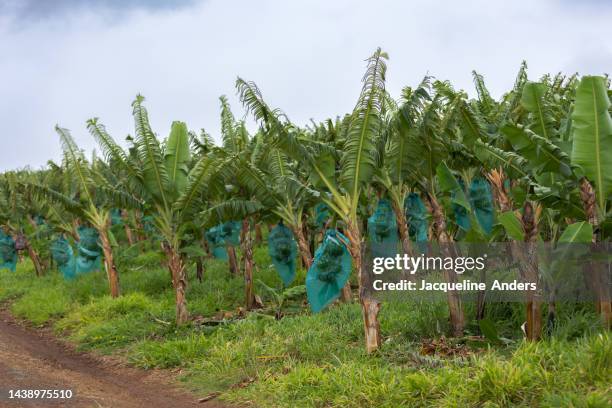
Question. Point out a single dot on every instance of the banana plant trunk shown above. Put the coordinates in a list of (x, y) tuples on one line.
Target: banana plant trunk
[(402, 226), (179, 283), (603, 304), (457, 318), (497, 179), (109, 263), (533, 329), (304, 246), (480, 299), (370, 307), (126, 225), (38, 265), (232, 260), (346, 296), (140, 232), (258, 234), (199, 268), (247, 253), (25, 244)]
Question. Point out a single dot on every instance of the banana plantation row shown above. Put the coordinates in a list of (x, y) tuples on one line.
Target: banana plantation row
[(542, 153)]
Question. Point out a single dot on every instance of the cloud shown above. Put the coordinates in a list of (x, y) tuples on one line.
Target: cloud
[(39, 10), (307, 57)]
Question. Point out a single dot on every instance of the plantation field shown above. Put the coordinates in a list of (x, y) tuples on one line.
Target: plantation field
[(315, 360), (245, 264)]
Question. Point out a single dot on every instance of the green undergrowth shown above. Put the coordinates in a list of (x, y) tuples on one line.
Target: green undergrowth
[(306, 360)]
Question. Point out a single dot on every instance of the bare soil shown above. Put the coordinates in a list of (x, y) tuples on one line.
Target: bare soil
[(32, 359)]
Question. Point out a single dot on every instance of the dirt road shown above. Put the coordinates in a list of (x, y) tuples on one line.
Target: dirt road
[(33, 360)]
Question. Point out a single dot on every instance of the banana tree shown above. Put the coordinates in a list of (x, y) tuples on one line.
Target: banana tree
[(592, 152), (164, 176), (552, 141), (433, 146), (93, 197), (17, 211), (396, 171), (357, 164), (564, 139), (287, 187), (236, 191), (235, 139), (248, 193)]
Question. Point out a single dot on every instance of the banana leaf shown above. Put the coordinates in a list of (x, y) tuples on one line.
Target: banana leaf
[(592, 135)]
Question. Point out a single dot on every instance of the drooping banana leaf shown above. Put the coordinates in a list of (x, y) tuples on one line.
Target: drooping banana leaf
[(512, 225), (449, 184), (461, 213), (481, 199), (534, 101), (569, 253), (542, 154), (592, 135)]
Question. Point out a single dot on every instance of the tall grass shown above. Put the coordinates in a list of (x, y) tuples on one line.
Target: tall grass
[(315, 360)]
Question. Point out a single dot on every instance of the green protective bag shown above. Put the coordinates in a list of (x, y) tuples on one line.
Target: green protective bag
[(322, 214), (329, 272), (116, 218), (481, 199), (222, 235), (283, 251), (63, 255), (382, 230), (230, 232), (220, 253), (416, 216), (148, 225), (89, 253), (216, 243), (39, 220), (8, 252), (382, 225)]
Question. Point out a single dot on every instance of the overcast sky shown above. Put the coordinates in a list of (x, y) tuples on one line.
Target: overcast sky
[(64, 61)]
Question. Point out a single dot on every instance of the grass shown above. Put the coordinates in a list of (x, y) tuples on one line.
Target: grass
[(307, 360)]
